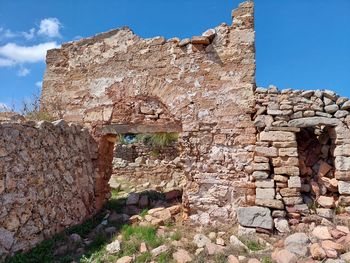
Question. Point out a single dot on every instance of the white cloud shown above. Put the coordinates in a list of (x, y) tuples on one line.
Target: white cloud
[(4, 107), (29, 35), (11, 53), (50, 27), (4, 62), (6, 33), (39, 84), (23, 72)]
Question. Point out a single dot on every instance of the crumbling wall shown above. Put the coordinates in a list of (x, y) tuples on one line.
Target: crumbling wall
[(302, 151), (205, 84), (47, 175)]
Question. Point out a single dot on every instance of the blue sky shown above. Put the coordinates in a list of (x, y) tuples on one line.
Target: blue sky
[(300, 44)]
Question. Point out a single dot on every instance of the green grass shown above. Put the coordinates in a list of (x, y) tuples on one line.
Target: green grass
[(253, 245), (144, 258), (220, 258), (266, 260), (41, 253), (165, 257), (176, 236), (158, 140), (143, 213), (142, 233)]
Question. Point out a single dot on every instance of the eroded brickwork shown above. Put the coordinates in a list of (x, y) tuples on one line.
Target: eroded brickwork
[(205, 84)]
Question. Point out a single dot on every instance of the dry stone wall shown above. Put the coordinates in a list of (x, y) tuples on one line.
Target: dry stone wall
[(205, 85), (47, 175), (302, 155)]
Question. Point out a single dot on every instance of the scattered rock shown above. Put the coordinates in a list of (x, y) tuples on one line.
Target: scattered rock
[(213, 249), (182, 256), (297, 243), (237, 244), (317, 252), (232, 259), (201, 240), (282, 225), (255, 216), (133, 199), (113, 247), (158, 250), (143, 247), (321, 232), (284, 256)]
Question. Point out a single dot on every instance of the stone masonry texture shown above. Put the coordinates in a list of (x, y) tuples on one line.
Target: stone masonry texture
[(202, 87), (256, 155), (47, 174)]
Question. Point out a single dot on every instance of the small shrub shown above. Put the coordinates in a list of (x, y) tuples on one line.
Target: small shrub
[(253, 245), (130, 247), (176, 236), (160, 140)]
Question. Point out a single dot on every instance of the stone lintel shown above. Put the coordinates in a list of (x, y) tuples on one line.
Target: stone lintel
[(141, 128)]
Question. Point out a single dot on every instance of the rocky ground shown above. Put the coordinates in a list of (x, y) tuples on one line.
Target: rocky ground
[(121, 234)]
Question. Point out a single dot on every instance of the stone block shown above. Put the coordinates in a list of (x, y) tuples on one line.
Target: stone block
[(342, 150), (265, 193), (271, 203), (325, 212), (341, 114), (331, 108), (285, 144), (288, 152), (265, 183), (279, 136), (262, 121), (344, 200), (344, 187), (324, 169), (285, 161), (266, 151), (280, 178), (260, 175), (292, 200), (342, 163), (261, 159), (294, 182), (342, 175), (313, 121), (288, 192), (278, 213), (288, 170), (255, 216), (326, 202), (261, 166)]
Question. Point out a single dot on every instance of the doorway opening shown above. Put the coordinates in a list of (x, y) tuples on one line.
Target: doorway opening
[(319, 187)]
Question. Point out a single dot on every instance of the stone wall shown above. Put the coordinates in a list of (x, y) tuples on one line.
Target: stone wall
[(142, 166), (47, 175), (302, 154), (204, 85)]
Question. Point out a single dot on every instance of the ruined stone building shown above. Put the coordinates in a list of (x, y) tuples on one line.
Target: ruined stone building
[(245, 153)]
